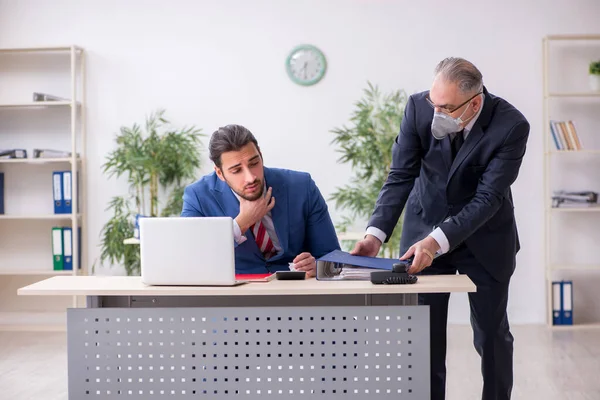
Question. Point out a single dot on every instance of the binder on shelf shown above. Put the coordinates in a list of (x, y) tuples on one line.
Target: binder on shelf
[(67, 192), (57, 189), (1, 192), (67, 248), (57, 249), (557, 303), (13, 153), (567, 302), (67, 233)]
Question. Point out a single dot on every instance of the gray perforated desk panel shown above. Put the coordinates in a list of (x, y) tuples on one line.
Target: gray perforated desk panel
[(249, 347)]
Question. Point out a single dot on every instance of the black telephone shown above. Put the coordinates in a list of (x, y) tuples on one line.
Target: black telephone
[(397, 276)]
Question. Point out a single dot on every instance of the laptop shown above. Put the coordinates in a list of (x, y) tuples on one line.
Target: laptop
[(195, 251)]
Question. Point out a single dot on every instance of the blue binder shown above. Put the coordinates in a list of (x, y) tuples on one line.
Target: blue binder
[(1, 192), (557, 303), (567, 302), (57, 190)]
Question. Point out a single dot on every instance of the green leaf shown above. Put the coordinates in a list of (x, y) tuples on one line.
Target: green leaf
[(366, 144), (158, 161)]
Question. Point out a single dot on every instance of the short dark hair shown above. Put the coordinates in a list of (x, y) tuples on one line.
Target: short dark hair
[(229, 138)]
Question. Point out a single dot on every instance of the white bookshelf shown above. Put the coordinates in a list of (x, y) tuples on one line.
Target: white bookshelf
[(571, 231), (26, 225)]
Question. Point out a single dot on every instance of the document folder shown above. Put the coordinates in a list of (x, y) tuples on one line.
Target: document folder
[(567, 302), (340, 265), (57, 249), (57, 189), (68, 248), (557, 303)]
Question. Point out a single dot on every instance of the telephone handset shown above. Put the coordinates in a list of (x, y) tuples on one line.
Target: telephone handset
[(397, 276)]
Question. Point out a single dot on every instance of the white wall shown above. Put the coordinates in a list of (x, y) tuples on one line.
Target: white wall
[(211, 63)]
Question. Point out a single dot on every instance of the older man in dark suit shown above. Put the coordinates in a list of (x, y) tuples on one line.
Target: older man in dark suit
[(458, 152)]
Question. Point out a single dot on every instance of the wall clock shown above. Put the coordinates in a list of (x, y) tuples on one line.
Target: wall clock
[(306, 65)]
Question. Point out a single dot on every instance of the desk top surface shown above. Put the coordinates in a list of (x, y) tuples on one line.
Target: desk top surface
[(133, 286)]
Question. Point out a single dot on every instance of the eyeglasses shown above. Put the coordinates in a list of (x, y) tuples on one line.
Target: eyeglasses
[(445, 108)]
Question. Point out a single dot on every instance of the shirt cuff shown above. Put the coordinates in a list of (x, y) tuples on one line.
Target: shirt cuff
[(378, 233), (237, 233), (441, 239)]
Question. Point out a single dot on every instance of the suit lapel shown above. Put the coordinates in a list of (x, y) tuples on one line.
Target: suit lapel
[(227, 201), (470, 142), (475, 135), (279, 213)]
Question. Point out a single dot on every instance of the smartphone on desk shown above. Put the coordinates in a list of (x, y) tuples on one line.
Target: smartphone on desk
[(290, 275)]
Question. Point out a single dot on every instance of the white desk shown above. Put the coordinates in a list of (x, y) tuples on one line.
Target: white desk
[(259, 340)]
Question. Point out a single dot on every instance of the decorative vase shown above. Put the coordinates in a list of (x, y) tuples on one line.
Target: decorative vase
[(595, 82)]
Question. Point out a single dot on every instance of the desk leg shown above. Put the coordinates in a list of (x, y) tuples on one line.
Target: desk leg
[(93, 301)]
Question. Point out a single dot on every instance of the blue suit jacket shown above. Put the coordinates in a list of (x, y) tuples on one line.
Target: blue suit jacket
[(469, 199), (300, 217)]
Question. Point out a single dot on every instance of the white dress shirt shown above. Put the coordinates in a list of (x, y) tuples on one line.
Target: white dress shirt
[(437, 233), (267, 221)]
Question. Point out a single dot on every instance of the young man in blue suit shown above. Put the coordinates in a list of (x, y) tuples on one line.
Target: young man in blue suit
[(279, 215), (465, 146)]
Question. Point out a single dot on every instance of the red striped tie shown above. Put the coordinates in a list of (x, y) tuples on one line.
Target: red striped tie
[(263, 240)]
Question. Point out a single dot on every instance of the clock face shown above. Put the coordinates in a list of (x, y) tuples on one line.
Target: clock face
[(306, 65)]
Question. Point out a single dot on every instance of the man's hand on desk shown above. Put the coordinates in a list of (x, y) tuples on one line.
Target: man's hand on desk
[(423, 251), (306, 262), (369, 247), (253, 211)]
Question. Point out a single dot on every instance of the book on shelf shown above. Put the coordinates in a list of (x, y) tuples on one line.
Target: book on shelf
[(564, 134), (13, 153)]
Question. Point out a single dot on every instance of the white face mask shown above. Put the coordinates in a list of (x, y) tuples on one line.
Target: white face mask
[(444, 124)]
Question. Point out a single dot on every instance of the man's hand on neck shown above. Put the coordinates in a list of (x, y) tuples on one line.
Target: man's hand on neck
[(253, 211)]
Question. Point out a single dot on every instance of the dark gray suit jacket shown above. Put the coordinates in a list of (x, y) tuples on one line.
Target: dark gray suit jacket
[(469, 199)]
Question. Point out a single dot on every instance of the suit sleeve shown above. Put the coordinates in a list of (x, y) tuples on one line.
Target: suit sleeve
[(407, 152), (320, 232), (191, 205), (499, 175)]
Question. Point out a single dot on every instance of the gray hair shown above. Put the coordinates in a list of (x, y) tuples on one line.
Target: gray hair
[(462, 72)]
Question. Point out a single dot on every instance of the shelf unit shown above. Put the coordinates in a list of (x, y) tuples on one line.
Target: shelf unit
[(29, 214), (567, 70)]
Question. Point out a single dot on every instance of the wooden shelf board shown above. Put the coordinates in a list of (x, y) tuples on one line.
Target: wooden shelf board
[(35, 272), (32, 321), (574, 94), (34, 160), (571, 152), (573, 37), (38, 104), (587, 325), (562, 209), (558, 267), (40, 49), (39, 217)]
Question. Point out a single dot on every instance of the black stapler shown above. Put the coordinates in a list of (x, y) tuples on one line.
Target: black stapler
[(397, 276)]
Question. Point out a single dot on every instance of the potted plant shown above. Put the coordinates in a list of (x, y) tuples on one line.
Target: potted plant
[(367, 146), (595, 75), (158, 163)]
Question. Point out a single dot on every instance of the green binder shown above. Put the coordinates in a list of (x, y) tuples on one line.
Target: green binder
[(57, 249)]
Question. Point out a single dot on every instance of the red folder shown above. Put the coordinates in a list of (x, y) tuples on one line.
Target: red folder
[(254, 277)]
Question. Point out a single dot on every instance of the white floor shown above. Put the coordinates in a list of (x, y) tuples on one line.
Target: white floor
[(549, 365)]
